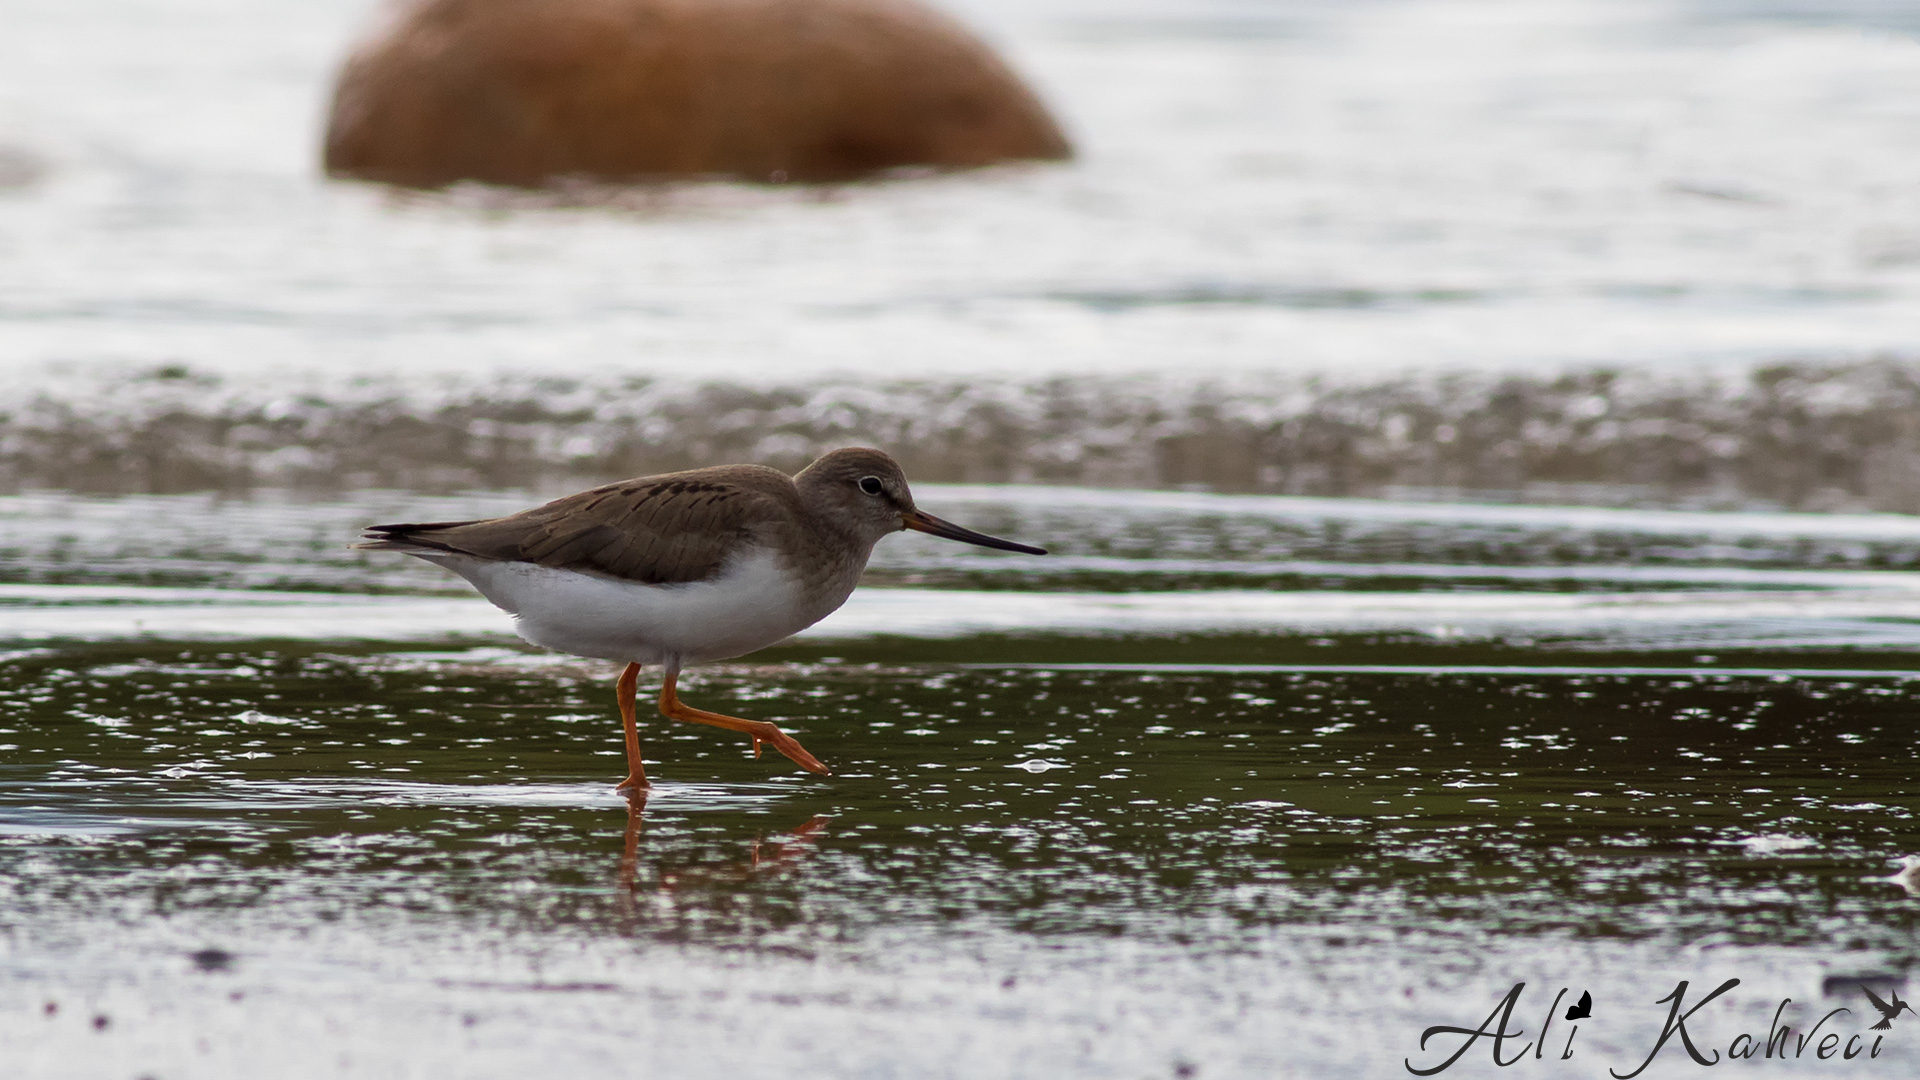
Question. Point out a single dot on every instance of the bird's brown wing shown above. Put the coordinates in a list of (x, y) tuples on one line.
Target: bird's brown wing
[(678, 527)]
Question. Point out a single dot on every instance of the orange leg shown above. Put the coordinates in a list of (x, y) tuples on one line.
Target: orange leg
[(757, 730), (625, 690)]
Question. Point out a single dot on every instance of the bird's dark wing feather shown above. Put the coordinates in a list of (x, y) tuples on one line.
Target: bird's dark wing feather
[(679, 527), (1885, 1009)]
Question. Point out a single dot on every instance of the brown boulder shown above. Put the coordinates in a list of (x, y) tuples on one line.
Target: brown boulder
[(524, 91)]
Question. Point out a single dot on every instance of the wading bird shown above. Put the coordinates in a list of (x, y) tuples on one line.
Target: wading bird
[(683, 568)]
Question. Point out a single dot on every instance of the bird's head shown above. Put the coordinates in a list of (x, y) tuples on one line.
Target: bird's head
[(864, 491)]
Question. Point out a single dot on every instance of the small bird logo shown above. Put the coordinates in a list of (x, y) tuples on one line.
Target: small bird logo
[(1582, 1010), (1887, 1012)]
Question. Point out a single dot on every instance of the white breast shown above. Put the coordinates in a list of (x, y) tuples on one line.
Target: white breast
[(751, 604)]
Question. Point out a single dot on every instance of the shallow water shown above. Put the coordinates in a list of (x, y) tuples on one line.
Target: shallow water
[(1093, 815), (299, 838)]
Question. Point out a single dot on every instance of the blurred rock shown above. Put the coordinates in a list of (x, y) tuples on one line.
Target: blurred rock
[(523, 91)]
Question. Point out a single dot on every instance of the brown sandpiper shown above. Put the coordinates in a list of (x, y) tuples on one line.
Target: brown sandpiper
[(684, 568)]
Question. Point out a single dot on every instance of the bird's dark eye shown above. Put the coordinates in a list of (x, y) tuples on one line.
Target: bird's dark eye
[(871, 485)]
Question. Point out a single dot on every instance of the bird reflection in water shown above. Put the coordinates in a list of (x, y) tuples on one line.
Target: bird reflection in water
[(1908, 877), (766, 855)]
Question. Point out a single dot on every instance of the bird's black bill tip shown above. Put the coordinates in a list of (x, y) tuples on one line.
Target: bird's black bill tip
[(921, 521)]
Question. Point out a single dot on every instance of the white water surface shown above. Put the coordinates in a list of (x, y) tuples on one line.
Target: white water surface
[(1848, 615), (1099, 502), (1127, 563), (1277, 186)]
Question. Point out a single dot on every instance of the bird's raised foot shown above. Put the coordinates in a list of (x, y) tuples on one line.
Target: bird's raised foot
[(787, 745), (758, 730)]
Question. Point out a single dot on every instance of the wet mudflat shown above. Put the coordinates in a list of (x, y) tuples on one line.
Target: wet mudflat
[(415, 859)]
